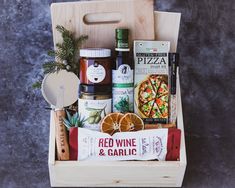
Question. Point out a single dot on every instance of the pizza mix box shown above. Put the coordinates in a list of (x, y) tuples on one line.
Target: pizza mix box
[(151, 80)]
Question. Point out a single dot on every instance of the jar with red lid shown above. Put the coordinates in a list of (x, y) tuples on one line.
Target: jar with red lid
[(95, 66)]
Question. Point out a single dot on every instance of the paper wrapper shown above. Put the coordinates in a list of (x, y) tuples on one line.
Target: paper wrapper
[(156, 144)]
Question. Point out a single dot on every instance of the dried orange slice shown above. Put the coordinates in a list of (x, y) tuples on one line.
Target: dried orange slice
[(131, 122), (110, 123)]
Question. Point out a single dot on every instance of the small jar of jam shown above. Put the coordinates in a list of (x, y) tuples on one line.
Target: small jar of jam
[(95, 66)]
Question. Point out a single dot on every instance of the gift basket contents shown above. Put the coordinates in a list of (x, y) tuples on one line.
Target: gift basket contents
[(122, 106), (115, 100)]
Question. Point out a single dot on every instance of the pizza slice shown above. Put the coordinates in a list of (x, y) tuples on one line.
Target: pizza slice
[(155, 112), (163, 89), (146, 92), (146, 108), (162, 103), (155, 81)]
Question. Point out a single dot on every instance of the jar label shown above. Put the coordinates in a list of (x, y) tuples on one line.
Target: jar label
[(93, 111), (96, 73), (123, 91)]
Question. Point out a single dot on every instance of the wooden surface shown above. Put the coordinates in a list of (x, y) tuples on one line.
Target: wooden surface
[(124, 173), (117, 174), (61, 136), (167, 26), (137, 15)]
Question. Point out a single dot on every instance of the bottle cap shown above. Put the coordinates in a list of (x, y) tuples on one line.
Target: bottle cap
[(122, 39), (95, 52), (122, 34)]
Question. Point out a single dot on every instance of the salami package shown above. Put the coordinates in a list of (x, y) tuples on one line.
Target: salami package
[(156, 144)]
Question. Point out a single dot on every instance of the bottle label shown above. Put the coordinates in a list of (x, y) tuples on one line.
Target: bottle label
[(123, 91), (92, 111), (122, 44), (96, 73)]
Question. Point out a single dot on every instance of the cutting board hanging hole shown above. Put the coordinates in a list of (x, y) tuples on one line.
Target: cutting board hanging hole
[(102, 18)]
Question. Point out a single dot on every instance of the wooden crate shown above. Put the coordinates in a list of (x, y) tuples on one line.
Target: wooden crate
[(125, 173)]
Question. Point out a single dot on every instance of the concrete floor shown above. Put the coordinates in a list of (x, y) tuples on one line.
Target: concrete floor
[(206, 45)]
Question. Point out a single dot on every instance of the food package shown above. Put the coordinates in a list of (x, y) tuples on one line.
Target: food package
[(155, 144)]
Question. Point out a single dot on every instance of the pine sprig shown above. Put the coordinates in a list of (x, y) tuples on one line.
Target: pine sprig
[(53, 66), (66, 54), (80, 41), (37, 84)]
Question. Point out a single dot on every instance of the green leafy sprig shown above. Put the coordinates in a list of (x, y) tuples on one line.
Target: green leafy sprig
[(65, 55), (123, 105)]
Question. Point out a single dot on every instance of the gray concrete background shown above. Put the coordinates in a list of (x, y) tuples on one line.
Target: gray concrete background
[(206, 45)]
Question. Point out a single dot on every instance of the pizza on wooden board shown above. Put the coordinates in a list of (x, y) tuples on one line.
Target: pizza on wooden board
[(152, 100)]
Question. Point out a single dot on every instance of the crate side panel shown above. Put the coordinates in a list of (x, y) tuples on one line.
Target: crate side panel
[(118, 176), (51, 155), (180, 124), (180, 178)]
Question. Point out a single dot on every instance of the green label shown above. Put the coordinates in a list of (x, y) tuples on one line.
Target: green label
[(123, 85), (122, 44)]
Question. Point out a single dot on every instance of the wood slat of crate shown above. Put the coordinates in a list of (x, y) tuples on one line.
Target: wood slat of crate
[(167, 27), (125, 173)]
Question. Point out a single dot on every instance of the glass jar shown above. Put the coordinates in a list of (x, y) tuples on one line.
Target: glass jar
[(94, 104), (95, 66)]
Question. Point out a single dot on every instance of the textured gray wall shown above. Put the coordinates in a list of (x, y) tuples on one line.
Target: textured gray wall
[(206, 45)]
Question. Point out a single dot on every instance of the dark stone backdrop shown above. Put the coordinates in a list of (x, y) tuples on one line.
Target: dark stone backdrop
[(206, 45)]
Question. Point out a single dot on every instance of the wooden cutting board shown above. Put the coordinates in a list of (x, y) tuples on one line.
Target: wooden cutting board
[(167, 26), (99, 19)]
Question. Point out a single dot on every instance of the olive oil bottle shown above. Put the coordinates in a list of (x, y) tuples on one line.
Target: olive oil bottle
[(122, 75)]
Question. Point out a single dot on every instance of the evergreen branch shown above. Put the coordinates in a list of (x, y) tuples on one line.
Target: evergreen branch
[(37, 85), (51, 53), (65, 51), (60, 46), (61, 55), (51, 67), (63, 31), (80, 40)]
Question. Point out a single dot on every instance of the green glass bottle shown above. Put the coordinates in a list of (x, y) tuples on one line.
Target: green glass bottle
[(122, 75)]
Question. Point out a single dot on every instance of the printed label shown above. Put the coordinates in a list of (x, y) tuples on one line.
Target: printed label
[(123, 92), (122, 45), (141, 145), (124, 75), (150, 63), (96, 73), (93, 111)]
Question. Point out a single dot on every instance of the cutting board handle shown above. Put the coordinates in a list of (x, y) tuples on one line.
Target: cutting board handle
[(99, 19), (102, 18)]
